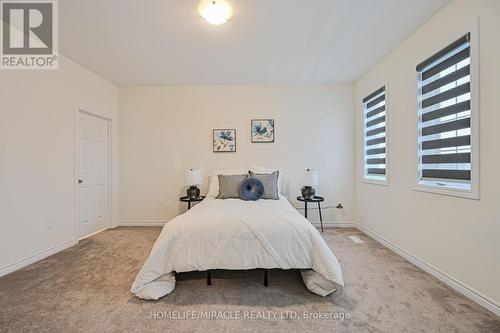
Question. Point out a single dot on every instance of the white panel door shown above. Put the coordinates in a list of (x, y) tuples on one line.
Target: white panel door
[(93, 174)]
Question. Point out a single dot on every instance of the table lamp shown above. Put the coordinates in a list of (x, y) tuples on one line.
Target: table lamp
[(310, 179), (192, 178)]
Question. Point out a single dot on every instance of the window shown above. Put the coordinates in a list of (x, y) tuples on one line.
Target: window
[(445, 137), (375, 154)]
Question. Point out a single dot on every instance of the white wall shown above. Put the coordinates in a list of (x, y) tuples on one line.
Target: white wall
[(460, 237), (37, 156), (166, 130)]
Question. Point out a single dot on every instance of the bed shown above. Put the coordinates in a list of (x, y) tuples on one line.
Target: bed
[(234, 234)]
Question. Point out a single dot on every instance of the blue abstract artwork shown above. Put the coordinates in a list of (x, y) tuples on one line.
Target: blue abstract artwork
[(262, 130), (224, 140)]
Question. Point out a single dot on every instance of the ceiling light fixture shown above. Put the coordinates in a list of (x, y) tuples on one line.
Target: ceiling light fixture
[(216, 12)]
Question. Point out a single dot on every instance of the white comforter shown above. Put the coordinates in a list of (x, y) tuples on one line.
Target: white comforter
[(237, 234)]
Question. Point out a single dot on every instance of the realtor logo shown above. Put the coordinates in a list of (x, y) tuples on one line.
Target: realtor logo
[(29, 34)]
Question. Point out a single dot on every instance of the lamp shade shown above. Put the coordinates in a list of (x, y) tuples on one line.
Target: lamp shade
[(310, 177), (192, 177)]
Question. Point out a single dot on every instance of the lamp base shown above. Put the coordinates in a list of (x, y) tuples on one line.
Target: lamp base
[(193, 192), (308, 192)]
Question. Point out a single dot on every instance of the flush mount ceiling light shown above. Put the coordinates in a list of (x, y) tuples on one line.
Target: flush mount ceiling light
[(215, 12)]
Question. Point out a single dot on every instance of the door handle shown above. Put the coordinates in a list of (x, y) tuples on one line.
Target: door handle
[(80, 181)]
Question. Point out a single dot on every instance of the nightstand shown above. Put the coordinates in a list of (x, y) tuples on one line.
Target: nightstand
[(189, 200), (315, 199)]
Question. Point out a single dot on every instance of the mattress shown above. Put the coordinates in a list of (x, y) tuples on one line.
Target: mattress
[(236, 234)]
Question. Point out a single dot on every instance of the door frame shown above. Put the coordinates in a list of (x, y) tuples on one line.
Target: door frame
[(77, 172)]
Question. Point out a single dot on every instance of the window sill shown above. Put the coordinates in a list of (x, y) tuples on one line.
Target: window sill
[(467, 194), (376, 182)]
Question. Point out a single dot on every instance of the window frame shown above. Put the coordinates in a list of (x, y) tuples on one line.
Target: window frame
[(365, 179), (433, 187)]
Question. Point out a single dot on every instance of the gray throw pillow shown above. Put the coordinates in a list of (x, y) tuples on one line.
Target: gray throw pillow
[(229, 186), (270, 182)]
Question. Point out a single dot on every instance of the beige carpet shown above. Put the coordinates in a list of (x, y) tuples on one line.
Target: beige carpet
[(86, 289)]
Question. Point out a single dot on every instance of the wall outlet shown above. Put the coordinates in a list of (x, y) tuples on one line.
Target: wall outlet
[(50, 224)]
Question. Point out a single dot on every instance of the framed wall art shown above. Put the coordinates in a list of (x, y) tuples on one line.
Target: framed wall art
[(224, 140), (262, 130)]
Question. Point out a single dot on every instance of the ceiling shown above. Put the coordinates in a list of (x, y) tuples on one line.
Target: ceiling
[(166, 42)]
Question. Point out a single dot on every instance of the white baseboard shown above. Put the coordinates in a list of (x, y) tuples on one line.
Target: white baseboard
[(142, 223), (94, 233), (35, 257), (453, 283)]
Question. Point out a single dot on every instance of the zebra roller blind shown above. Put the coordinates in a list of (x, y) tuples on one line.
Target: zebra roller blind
[(445, 116), (374, 135)]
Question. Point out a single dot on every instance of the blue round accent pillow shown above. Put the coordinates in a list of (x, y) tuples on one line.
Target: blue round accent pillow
[(251, 189)]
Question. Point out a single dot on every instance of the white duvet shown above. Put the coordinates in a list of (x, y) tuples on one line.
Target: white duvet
[(237, 234)]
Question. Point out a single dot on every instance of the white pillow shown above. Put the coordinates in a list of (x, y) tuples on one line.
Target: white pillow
[(213, 188), (259, 169)]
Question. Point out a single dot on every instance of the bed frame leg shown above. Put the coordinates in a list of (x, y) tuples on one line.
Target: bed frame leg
[(266, 277), (209, 277)]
